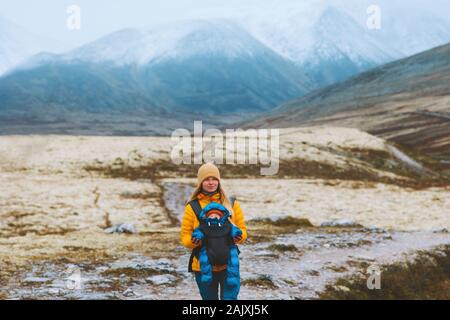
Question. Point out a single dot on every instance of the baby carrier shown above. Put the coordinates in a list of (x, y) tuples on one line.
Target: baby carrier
[(218, 240)]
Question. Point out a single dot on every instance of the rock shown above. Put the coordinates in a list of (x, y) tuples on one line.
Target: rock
[(36, 280), (112, 296), (161, 279), (163, 262), (342, 288), (102, 268), (348, 223), (93, 296), (265, 253), (54, 291), (141, 263), (165, 265), (440, 230), (137, 263), (121, 228), (128, 293), (376, 230)]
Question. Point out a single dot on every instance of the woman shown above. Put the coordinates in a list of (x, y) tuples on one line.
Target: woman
[(209, 190)]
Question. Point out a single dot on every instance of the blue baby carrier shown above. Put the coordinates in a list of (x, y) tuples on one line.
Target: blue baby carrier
[(218, 247), (218, 240)]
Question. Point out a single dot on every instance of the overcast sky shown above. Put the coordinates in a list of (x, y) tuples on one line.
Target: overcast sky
[(100, 17)]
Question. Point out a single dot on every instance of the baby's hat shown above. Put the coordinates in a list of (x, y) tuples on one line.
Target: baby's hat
[(214, 211), (214, 208)]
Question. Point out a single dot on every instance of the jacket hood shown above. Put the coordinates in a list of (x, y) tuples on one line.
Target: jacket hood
[(216, 206)]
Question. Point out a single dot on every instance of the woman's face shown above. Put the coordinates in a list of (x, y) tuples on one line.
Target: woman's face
[(210, 184)]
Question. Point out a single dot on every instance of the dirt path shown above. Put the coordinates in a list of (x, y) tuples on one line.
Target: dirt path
[(309, 259)]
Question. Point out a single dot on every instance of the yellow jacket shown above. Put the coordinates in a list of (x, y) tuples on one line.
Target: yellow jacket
[(190, 222)]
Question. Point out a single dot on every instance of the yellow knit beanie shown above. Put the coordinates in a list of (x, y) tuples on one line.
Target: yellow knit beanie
[(207, 170), (210, 170)]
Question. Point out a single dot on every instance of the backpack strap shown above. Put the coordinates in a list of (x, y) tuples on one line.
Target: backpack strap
[(195, 253), (232, 200), (195, 205)]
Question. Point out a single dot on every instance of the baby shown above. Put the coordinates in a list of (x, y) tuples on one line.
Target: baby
[(214, 214), (218, 248)]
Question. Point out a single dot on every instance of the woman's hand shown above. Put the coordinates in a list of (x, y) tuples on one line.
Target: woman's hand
[(236, 233), (196, 241), (237, 239), (197, 236)]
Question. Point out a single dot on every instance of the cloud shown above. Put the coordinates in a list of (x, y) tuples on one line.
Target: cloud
[(100, 17)]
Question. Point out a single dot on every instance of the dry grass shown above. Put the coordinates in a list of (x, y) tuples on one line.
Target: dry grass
[(142, 195), (87, 258), (133, 272), (337, 268), (427, 277), (283, 248), (266, 230), (113, 286), (152, 170), (294, 168), (435, 175), (289, 222), (18, 228), (258, 238), (262, 281)]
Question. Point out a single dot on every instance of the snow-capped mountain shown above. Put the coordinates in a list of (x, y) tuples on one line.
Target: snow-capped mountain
[(337, 35), (328, 44), (177, 40), (17, 44), (325, 41), (260, 57), (342, 49), (195, 67), (330, 38)]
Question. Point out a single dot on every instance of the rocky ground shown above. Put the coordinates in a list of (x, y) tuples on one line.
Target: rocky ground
[(99, 217)]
